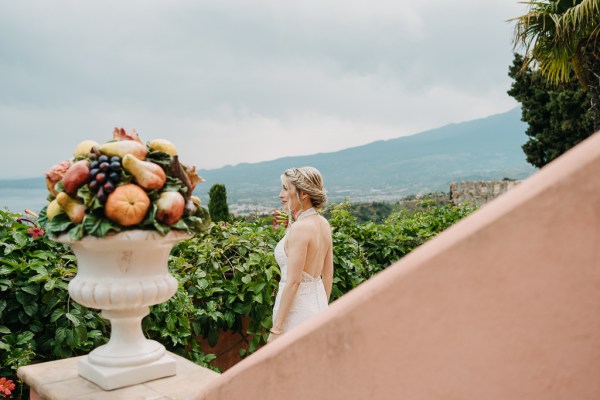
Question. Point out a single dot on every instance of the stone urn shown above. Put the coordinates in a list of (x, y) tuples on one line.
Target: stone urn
[(123, 274)]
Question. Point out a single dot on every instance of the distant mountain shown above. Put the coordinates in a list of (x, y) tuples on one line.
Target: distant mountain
[(482, 149)]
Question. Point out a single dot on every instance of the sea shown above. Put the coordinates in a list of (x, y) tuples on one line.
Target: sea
[(17, 200)]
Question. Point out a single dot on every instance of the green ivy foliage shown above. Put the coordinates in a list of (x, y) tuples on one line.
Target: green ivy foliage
[(38, 320), (230, 272), (362, 250), (226, 274)]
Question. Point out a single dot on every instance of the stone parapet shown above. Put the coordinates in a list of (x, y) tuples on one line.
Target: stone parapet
[(59, 380), (479, 192)]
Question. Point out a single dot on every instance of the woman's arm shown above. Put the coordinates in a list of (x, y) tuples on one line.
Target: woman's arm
[(327, 274), (297, 247)]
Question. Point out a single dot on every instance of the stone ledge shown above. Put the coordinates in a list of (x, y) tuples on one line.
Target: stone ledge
[(59, 380)]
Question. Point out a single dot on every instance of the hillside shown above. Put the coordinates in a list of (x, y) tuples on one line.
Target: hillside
[(483, 149)]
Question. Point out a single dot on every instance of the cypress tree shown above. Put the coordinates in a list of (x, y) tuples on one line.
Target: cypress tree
[(217, 203)]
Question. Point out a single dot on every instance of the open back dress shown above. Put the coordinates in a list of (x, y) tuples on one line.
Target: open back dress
[(310, 298)]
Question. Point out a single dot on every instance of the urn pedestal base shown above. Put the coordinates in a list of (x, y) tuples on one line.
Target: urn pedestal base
[(123, 274), (109, 378)]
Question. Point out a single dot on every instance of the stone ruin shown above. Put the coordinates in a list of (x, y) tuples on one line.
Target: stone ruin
[(479, 192)]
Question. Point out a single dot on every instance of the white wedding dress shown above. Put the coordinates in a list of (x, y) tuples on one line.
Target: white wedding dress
[(310, 298)]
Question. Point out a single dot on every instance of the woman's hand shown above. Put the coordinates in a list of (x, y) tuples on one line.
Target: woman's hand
[(274, 334)]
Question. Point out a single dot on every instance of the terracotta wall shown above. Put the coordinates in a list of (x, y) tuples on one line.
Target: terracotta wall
[(503, 305), (227, 349)]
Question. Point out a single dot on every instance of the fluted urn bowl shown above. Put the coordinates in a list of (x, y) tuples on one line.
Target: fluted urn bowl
[(123, 274)]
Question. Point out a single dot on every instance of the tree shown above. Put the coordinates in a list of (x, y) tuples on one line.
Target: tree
[(560, 38), (558, 116), (217, 203)]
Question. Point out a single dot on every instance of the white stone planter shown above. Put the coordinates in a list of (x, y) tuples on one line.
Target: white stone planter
[(122, 275)]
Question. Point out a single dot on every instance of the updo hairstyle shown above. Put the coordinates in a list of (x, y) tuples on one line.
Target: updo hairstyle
[(308, 180)]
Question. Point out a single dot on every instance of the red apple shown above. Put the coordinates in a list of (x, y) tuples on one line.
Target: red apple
[(170, 207), (76, 176)]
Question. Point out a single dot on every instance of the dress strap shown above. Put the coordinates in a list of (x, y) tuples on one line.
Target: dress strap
[(307, 213)]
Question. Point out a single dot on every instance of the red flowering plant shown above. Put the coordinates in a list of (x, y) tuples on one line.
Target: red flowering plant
[(280, 220), (35, 229), (6, 387), (119, 185)]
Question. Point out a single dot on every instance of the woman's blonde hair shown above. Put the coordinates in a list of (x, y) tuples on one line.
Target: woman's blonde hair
[(307, 180)]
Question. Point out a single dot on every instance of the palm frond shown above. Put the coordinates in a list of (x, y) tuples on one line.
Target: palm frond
[(582, 17), (553, 33)]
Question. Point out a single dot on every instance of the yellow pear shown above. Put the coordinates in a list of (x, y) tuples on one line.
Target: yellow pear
[(120, 148), (196, 200), (74, 208), (84, 148), (146, 174), (192, 204), (163, 145), (53, 210)]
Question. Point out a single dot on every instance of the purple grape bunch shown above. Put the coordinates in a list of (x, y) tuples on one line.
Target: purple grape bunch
[(104, 176)]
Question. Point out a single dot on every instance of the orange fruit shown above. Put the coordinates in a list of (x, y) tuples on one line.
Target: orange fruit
[(127, 205)]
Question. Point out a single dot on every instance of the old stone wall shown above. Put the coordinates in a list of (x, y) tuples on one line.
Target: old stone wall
[(479, 192)]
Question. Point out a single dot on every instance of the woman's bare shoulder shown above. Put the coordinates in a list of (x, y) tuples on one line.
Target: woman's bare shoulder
[(324, 221), (306, 227), (296, 228)]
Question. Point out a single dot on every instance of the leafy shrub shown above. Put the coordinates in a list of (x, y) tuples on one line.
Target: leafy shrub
[(226, 274), (403, 231), (362, 250), (38, 320), (229, 272), (349, 260)]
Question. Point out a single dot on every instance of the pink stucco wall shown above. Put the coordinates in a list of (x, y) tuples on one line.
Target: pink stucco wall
[(503, 305)]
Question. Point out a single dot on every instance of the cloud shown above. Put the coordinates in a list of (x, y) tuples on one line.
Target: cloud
[(243, 75)]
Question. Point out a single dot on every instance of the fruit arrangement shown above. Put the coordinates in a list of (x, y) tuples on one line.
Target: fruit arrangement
[(122, 184)]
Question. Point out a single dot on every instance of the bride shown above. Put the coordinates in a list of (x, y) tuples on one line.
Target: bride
[(305, 254)]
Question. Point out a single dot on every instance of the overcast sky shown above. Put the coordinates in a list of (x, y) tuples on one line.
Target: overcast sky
[(231, 81)]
